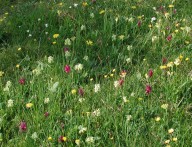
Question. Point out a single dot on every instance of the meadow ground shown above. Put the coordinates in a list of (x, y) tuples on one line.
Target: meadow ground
[(96, 73)]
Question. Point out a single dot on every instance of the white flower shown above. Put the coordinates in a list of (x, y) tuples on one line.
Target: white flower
[(67, 41), (8, 84), (85, 58), (116, 84), (54, 87), (46, 100), (125, 100), (128, 117), (129, 47), (177, 61), (154, 38), (50, 59), (46, 33), (92, 15), (128, 60), (82, 129), (83, 27), (34, 136), (97, 88), (96, 112), (131, 19), (153, 19), (138, 75), (10, 103), (46, 25), (89, 139), (39, 19), (187, 29), (81, 100), (36, 71), (67, 54), (75, 4), (78, 67)]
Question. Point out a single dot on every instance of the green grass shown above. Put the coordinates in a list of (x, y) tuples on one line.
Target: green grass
[(117, 45)]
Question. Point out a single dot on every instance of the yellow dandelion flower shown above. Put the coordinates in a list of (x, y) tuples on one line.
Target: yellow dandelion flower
[(55, 35), (180, 57), (102, 12), (77, 141), (171, 6), (89, 42), (176, 31), (74, 91), (29, 105), (85, 4), (174, 139), (157, 118), (111, 75), (187, 59), (163, 67), (64, 139), (54, 42), (1, 73), (50, 138), (17, 66)]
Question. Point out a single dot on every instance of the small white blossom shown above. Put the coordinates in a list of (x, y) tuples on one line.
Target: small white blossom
[(153, 19), (67, 41), (50, 59), (97, 88), (83, 27), (96, 112), (46, 25), (10, 103), (46, 100), (82, 129), (75, 4), (34, 136), (89, 139), (128, 117), (92, 15), (85, 58), (54, 87), (114, 37), (78, 67), (116, 84)]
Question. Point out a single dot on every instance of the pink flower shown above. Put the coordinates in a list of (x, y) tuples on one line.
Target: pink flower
[(46, 114), (66, 49), (81, 92), (60, 139), (121, 81), (164, 60), (150, 73), (23, 126), (22, 81), (139, 23), (67, 68), (148, 89), (169, 38)]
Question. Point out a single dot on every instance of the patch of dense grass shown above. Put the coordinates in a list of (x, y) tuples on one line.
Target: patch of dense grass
[(95, 73)]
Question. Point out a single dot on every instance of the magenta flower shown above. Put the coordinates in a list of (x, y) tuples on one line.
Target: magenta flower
[(66, 49), (148, 89), (46, 114), (169, 38), (139, 23), (67, 68), (22, 81), (23, 126), (121, 81), (150, 73), (81, 92)]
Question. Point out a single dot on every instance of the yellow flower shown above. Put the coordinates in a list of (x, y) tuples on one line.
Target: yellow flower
[(163, 67), (49, 138), (91, 79), (171, 6), (84, 4), (17, 66), (176, 31), (64, 138), (170, 64), (166, 15), (111, 75), (157, 118), (180, 57), (150, 26), (1, 73), (77, 141), (174, 139), (55, 35), (187, 59), (170, 131), (54, 42), (89, 42), (113, 70), (29, 105), (19, 49), (167, 141), (102, 12), (105, 76), (73, 91)]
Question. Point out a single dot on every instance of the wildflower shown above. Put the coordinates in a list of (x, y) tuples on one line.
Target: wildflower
[(163, 67), (7, 86), (128, 117), (153, 19), (84, 4), (85, 58), (54, 42), (46, 25), (54, 87), (10, 103), (139, 23), (34, 136), (177, 61), (92, 15), (89, 139), (157, 118), (129, 47), (67, 41), (55, 35), (67, 68), (121, 37), (82, 129), (114, 37), (29, 105), (123, 74), (186, 59), (169, 38), (148, 89), (46, 114), (102, 12), (17, 66), (19, 49), (23, 126), (125, 99), (62, 139), (46, 100), (77, 142), (50, 59), (174, 139), (83, 27), (1, 73), (73, 91), (96, 112), (128, 60), (150, 73), (49, 138), (121, 81), (81, 100), (170, 131), (89, 42), (22, 81), (154, 38), (116, 84), (170, 64), (78, 67), (97, 88), (133, 7), (167, 141), (81, 92), (164, 106)]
